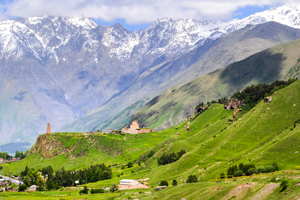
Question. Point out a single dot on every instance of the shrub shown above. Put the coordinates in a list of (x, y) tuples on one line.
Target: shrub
[(275, 165), (130, 164), (252, 171), (174, 182), (222, 175), (164, 183), (261, 169), (238, 173), (150, 154), (84, 191), (269, 168), (22, 188), (192, 179), (113, 188), (283, 185), (97, 191)]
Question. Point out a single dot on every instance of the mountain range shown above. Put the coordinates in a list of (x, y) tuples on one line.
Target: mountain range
[(76, 74)]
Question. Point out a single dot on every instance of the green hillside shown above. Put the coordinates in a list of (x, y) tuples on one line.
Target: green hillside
[(267, 133), (173, 106)]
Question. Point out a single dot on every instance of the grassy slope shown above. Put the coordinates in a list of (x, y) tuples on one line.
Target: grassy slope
[(175, 104), (259, 137)]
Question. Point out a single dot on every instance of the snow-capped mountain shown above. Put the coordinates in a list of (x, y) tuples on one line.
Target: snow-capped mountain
[(57, 69)]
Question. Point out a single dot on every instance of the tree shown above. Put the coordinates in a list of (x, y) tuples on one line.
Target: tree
[(283, 185), (222, 175), (129, 164), (22, 187), (275, 165), (84, 191), (50, 184), (113, 188), (192, 179), (164, 183), (252, 171), (174, 182), (261, 169), (269, 168), (238, 173)]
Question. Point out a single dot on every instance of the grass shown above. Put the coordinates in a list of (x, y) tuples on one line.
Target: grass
[(262, 135)]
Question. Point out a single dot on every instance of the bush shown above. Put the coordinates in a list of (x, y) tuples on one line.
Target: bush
[(192, 179), (22, 188), (252, 171), (84, 191), (275, 165), (174, 182), (97, 191), (113, 188), (261, 169), (222, 175), (283, 185), (130, 164), (269, 168), (164, 183), (238, 173)]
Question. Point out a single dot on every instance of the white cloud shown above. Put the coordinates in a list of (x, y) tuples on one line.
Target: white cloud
[(133, 11)]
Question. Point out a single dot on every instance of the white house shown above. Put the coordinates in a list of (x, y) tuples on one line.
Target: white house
[(33, 188), (129, 182)]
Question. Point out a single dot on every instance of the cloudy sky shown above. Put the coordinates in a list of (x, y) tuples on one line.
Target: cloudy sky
[(136, 14)]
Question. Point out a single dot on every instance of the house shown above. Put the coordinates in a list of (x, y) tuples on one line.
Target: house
[(33, 188), (14, 159), (135, 129), (267, 99), (131, 184), (1, 160)]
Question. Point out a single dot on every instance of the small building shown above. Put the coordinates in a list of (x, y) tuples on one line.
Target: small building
[(33, 188), (1, 160), (267, 99), (135, 129), (131, 184), (14, 159)]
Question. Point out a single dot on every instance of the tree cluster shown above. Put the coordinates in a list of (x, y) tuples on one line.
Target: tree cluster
[(5, 156), (239, 171), (64, 177), (253, 94), (248, 170), (21, 155), (169, 158)]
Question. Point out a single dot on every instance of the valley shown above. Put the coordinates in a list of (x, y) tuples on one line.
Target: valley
[(183, 109)]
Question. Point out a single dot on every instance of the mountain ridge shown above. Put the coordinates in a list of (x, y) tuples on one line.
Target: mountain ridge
[(58, 69)]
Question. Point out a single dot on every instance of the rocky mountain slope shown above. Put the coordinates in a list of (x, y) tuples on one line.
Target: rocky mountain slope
[(212, 55), (58, 69), (176, 104)]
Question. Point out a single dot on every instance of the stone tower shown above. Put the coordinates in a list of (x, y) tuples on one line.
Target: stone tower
[(48, 128)]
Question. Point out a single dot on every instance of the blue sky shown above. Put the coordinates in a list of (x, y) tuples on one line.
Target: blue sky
[(136, 14)]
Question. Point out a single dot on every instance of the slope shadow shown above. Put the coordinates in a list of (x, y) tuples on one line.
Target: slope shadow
[(263, 67)]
